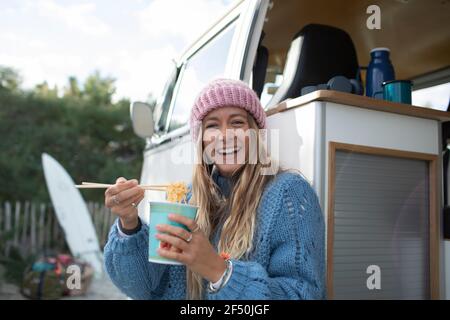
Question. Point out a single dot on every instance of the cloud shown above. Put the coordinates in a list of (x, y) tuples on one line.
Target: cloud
[(141, 64), (180, 18), (79, 17), (9, 11), (143, 72), (138, 73), (9, 36), (13, 39), (53, 68)]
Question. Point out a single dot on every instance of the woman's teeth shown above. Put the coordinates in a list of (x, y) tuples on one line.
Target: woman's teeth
[(228, 151)]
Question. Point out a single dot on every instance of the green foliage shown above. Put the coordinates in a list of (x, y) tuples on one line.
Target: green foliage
[(9, 79), (88, 134), (44, 91), (98, 90), (12, 266), (73, 89), (15, 265)]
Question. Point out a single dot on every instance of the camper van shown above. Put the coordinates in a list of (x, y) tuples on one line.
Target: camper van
[(379, 167)]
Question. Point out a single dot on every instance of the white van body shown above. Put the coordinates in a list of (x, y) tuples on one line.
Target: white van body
[(312, 130)]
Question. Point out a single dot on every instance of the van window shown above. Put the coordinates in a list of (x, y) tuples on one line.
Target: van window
[(271, 86), (206, 64), (163, 105), (435, 97), (413, 54)]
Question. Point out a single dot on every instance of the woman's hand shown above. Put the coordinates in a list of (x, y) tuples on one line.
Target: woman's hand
[(123, 198), (191, 248)]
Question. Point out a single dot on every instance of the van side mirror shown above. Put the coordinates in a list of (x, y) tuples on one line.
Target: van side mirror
[(142, 119)]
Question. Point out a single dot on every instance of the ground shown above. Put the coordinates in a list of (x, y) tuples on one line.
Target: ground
[(100, 289)]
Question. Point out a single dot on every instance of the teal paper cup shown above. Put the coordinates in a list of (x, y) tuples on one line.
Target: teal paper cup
[(159, 214)]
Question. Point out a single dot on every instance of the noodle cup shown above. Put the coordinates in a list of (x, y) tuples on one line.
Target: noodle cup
[(159, 214)]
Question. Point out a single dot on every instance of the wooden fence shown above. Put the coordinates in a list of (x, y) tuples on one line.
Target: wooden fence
[(33, 228)]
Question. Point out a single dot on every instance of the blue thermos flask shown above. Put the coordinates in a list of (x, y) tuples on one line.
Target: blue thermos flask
[(380, 69)]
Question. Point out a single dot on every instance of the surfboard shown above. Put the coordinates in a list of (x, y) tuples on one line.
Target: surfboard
[(72, 213)]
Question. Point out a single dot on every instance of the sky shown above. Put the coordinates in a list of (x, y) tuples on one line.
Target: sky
[(132, 41)]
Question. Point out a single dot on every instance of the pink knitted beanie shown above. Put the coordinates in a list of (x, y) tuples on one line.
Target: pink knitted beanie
[(225, 93)]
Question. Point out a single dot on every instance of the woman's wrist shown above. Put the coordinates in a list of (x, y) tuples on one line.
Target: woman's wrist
[(130, 226), (217, 271), (129, 223), (219, 284)]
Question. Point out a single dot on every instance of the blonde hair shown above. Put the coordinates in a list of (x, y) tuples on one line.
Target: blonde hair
[(238, 230)]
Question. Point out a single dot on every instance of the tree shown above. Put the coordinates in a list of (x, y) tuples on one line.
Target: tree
[(9, 79), (92, 143), (73, 89), (44, 91), (99, 90)]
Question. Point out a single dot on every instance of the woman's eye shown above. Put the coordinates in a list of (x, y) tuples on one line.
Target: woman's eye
[(211, 125), (237, 122)]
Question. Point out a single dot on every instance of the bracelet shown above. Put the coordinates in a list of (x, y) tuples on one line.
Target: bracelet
[(223, 280)]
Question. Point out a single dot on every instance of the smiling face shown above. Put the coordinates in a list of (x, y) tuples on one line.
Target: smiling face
[(224, 138)]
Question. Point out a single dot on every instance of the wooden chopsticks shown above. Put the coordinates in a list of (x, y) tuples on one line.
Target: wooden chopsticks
[(94, 185)]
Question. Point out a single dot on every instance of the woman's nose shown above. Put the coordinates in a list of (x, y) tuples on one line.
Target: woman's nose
[(222, 132), (226, 135), (226, 129)]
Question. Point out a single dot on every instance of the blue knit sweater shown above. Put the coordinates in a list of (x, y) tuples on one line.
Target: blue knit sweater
[(287, 261)]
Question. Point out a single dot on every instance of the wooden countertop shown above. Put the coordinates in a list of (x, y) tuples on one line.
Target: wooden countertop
[(360, 102)]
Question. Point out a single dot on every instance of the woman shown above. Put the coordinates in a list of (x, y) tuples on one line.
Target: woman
[(256, 236)]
